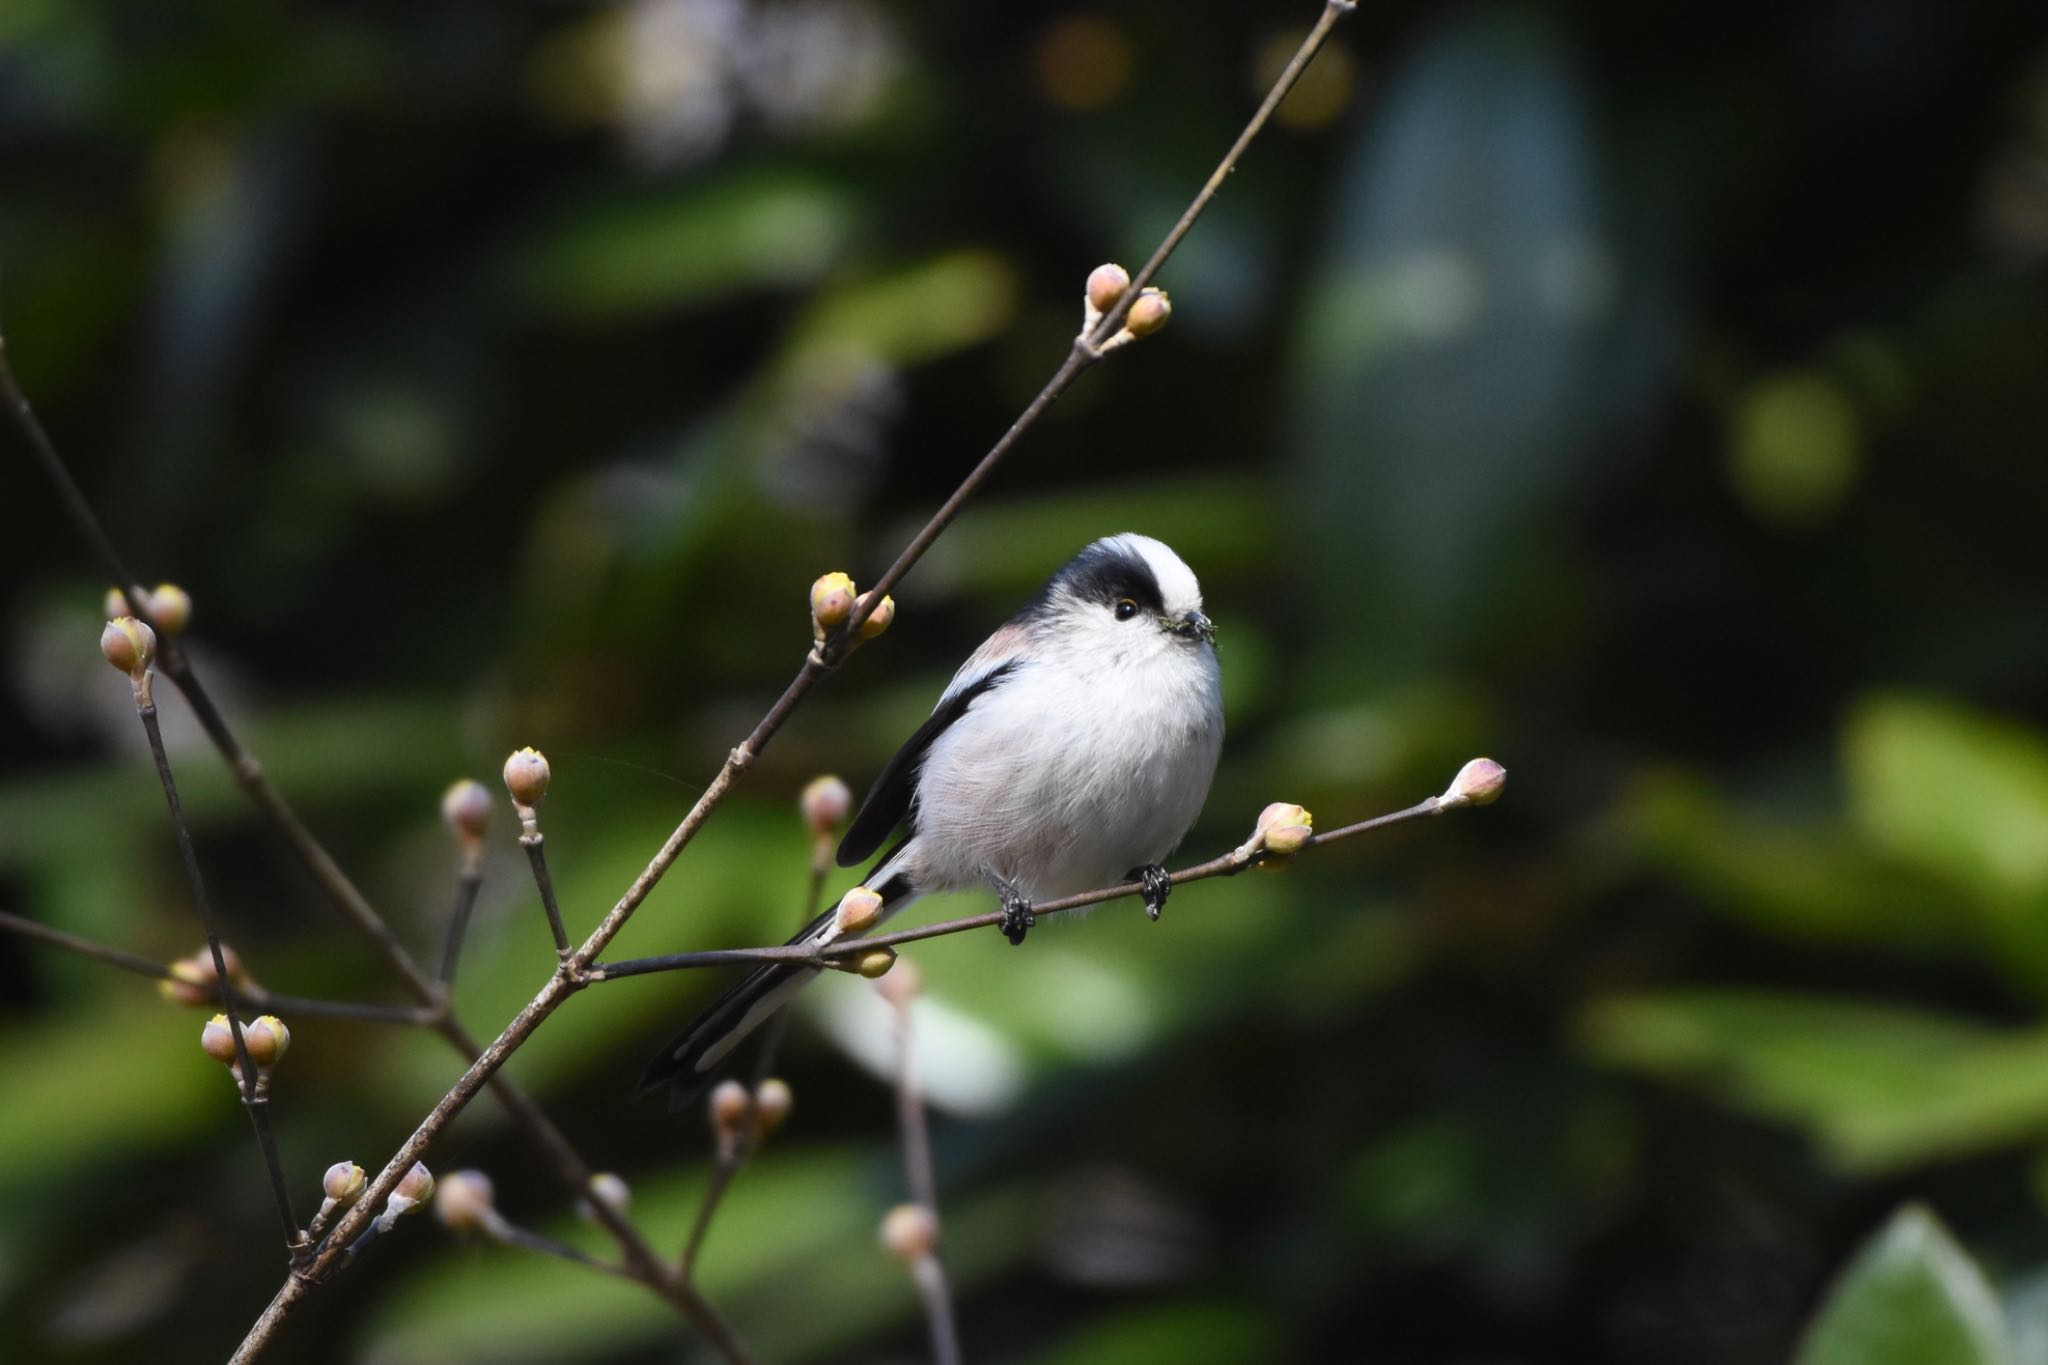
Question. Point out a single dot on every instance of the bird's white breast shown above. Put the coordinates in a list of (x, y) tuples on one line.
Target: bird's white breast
[(1073, 771)]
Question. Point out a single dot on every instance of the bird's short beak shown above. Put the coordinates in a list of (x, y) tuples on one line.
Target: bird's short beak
[(1194, 626)]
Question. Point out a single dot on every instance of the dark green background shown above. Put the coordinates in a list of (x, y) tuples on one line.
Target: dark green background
[(1650, 397)]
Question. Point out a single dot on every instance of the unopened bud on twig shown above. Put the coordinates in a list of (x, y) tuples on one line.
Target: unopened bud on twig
[(773, 1100), (875, 963), (193, 981), (1149, 313), (463, 1200), (1478, 783), (858, 910), (267, 1040), (879, 619), (1106, 286), (902, 985), (910, 1232), (526, 777), (731, 1109), (342, 1184), (831, 602), (1285, 828), (466, 810), (414, 1189), (218, 1038), (169, 607), (128, 645), (824, 804), (609, 1189)]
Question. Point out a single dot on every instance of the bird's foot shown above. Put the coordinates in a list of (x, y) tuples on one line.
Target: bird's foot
[(1017, 917), (1157, 886)]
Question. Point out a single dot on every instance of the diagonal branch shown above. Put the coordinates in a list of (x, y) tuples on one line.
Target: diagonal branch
[(1229, 864)]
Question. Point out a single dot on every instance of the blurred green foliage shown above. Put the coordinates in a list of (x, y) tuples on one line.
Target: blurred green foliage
[(1651, 400)]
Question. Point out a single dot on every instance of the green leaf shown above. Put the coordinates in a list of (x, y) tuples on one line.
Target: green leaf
[(1878, 1086), (1911, 1297), (1955, 791)]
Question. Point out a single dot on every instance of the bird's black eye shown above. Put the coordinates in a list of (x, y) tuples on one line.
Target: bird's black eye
[(1126, 609)]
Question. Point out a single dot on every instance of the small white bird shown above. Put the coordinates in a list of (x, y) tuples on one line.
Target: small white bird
[(1072, 750)]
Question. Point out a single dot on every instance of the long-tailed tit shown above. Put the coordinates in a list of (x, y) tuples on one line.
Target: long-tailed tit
[(1073, 749)]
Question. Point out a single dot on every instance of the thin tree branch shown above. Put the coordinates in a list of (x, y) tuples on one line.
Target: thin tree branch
[(466, 887), (537, 858), (254, 1098), (327, 873), (246, 997), (1227, 865), (927, 1272)]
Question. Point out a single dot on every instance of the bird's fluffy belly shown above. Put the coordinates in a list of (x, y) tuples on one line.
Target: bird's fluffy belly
[(1064, 801)]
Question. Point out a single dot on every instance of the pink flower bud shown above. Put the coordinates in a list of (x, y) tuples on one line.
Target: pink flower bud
[(832, 601), (1106, 286), (343, 1182), (170, 607), (462, 1200), (879, 619), (731, 1108), (218, 1038), (1149, 313), (858, 910), (825, 804), (910, 1232), (526, 777), (772, 1103), (128, 645), (416, 1184), (1478, 783), (466, 809), (267, 1040)]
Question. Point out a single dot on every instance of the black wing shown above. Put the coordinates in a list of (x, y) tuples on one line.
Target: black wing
[(888, 800)]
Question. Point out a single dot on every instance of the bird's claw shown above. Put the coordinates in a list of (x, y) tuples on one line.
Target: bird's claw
[(1156, 884), (1017, 918)]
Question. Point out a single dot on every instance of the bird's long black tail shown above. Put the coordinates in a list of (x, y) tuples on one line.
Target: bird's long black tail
[(693, 1056)]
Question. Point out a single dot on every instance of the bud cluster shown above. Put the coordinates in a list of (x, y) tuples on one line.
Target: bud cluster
[(193, 981), (1284, 829), (833, 602), (910, 1232), (1478, 783), (1107, 285), (466, 810), (266, 1039), (741, 1119), (168, 606)]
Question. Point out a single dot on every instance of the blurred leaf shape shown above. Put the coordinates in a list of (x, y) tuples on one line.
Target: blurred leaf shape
[(1879, 1087), (1955, 791), (763, 229), (1910, 1297), (1811, 882)]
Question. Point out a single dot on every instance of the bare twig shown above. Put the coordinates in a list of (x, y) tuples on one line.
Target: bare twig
[(537, 858), (249, 996), (327, 873), (917, 1240), (1227, 865), (254, 1097), (466, 887)]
